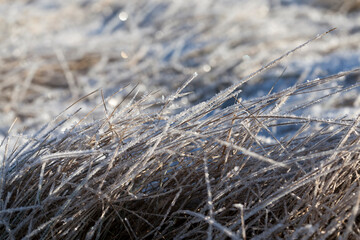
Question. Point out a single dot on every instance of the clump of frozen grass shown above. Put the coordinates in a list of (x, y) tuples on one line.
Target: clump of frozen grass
[(204, 172)]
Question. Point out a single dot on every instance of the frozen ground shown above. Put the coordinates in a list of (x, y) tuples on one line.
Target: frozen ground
[(53, 52)]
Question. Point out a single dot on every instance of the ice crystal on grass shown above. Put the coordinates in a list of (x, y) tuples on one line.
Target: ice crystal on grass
[(162, 120), (116, 177)]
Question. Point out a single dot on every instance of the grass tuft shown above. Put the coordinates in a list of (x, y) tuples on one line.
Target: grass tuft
[(206, 172)]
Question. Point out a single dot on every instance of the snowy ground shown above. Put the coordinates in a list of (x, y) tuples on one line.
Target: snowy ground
[(52, 52)]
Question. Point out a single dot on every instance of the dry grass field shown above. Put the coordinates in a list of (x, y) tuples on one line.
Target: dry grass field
[(179, 119)]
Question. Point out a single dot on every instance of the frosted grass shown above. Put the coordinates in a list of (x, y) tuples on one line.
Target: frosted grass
[(162, 120)]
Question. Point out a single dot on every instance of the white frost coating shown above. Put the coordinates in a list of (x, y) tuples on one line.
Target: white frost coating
[(138, 55)]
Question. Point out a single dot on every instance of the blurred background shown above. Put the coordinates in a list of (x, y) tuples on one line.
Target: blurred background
[(52, 52)]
